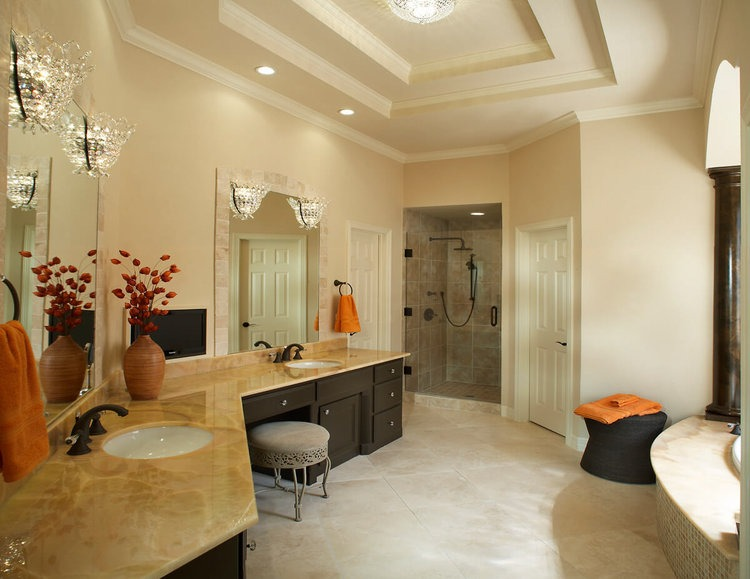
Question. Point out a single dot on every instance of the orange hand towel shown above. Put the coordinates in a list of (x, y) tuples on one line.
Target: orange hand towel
[(23, 430), (622, 399), (347, 319), (604, 411)]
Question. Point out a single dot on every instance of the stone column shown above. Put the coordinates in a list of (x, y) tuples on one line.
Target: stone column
[(726, 370)]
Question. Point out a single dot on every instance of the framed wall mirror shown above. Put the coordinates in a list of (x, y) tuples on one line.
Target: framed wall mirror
[(63, 224), (269, 271)]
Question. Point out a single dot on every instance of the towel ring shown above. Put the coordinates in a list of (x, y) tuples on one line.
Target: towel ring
[(14, 294), (338, 284)]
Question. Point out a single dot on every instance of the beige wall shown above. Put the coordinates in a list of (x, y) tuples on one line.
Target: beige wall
[(161, 193), (647, 254), (546, 185)]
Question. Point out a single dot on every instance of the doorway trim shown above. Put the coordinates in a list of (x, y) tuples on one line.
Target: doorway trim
[(523, 306), (384, 275)]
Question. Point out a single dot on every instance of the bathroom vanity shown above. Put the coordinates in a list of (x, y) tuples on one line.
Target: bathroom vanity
[(361, 409), (99, 515)]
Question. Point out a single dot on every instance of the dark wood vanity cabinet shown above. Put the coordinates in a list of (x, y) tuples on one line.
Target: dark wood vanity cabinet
[(361, 409), (387, 399)]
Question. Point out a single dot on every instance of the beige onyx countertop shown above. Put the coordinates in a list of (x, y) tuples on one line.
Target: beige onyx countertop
[(692, 460), (101, 516)]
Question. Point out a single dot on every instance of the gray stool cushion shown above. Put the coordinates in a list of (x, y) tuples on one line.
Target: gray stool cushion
[(288, 444)]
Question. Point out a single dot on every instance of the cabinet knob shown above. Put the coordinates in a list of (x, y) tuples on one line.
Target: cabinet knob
[(393, 394), (327, 411), (393, 370), (391, 423), (283, 402)]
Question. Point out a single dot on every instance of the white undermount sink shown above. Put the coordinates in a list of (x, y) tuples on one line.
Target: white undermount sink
[(160, 441), (313, 364)]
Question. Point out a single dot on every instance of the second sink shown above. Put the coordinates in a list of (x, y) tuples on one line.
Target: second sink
[(313, 364), (160, 441)]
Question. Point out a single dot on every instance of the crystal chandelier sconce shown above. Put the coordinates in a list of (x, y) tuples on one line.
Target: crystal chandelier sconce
[(246, 199), (308, 210), (43, 76), (93, 143), (22, 189), (421, 11)]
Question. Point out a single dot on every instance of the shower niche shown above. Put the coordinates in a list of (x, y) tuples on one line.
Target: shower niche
[(452, 273)]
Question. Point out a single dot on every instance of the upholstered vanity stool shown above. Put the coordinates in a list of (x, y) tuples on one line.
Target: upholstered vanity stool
[(290, 445)]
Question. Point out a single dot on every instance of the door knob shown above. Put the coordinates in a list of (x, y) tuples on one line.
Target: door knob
[(562, 343), (247, 324)]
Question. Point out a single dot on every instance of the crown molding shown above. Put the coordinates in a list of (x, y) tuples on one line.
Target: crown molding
[(639, 109), (456, 154), (482, 61), (146, 40), (246, 24), (544, 131), (358, 36), (708, 25), (593, 78)]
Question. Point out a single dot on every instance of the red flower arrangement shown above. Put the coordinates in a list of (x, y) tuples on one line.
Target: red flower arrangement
[(66, 286), (142, 285)]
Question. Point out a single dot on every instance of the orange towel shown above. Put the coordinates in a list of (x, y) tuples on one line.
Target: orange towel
[(605, 410), (23, 430), (623, 399), (347, 319)]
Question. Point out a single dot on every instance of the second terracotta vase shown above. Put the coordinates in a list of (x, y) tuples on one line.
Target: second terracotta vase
[(143, 367), (62, 369)]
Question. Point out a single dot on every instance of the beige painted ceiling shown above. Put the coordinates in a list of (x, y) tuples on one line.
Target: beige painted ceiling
[(492, 76)]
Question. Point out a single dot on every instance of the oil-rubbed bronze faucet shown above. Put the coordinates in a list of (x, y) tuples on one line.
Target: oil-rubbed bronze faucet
[(286, 356), (88, 424)]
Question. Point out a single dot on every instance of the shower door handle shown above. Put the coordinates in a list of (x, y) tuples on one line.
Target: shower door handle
[(493, 316)]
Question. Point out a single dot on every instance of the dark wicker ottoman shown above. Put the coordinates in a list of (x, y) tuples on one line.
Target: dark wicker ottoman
[(621, 451)]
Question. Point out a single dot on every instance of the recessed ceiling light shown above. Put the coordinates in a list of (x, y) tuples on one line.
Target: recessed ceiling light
[(265, 70), (346, 112), (478, 213)]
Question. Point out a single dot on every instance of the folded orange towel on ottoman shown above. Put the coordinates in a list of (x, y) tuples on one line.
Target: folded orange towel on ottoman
[(616, 407)]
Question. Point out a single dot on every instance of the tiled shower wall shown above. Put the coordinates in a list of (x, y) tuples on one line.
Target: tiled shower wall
[(440, 352)]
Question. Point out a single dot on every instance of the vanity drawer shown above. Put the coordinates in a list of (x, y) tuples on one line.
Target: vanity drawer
[(387, 427), (342, 385), (388, 371), (264, 406), (387, 394)]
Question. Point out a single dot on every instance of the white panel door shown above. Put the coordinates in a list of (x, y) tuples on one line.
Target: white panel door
[(548, 320), (271, 291), (364, 273)]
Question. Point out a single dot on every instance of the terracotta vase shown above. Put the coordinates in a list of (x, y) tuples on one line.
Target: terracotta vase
[(62, 370), (143, 367)]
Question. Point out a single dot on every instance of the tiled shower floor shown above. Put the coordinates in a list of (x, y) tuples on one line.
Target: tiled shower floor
[(464, 391)]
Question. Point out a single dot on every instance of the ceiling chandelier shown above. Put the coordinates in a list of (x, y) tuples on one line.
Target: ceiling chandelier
[(308, 210), (22, 188), (421, 11), (93, 143), (246, 199), (43, 77)]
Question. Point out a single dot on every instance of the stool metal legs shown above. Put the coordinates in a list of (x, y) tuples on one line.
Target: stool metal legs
[(299, 490)]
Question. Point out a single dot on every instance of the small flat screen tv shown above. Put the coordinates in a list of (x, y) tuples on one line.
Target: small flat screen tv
[(181, 333)]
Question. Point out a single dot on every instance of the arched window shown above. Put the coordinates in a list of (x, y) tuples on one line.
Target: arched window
[(724, 125)]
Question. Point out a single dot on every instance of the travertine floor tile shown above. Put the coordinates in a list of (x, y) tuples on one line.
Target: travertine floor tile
[(463, 495)]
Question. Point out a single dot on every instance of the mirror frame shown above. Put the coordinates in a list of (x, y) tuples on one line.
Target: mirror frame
[(280, 184)]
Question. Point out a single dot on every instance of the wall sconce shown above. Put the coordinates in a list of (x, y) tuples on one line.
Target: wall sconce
[(43, 77), (22, 188), (246, 199), (308, 210), (93, 143)]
